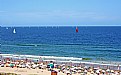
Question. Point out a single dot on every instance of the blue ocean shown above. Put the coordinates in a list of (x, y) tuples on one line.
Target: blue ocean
[(99, 43)]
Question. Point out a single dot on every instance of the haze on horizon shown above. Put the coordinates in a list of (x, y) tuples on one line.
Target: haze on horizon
[(60, 12)]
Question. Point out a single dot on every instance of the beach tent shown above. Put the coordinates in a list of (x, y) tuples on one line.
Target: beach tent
[(12, 65), (51, 65)]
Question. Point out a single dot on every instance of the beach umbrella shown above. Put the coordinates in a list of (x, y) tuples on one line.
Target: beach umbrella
[(41, 63), (63, 65), (67, 68), (85, 71), (108, 70), (72, 68), (116, 73), (85, 67), (96, 68), (23, 65), (112, 71), (92, 72), (97, 71), (67, 71), (103, 71), (8, 61), (2, 65), (13, 62), (7, 65), (44, 66), (34, 66)]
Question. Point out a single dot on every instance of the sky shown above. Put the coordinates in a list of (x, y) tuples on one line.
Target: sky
[(60, 12)]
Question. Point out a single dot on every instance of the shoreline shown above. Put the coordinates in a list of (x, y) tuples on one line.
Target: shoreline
[(40, 67), (60, 60)]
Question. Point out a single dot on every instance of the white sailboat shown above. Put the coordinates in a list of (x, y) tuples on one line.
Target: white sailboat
[(14, 31), (6, 27)]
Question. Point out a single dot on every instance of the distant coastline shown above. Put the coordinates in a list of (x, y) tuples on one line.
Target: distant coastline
[(60, 25)]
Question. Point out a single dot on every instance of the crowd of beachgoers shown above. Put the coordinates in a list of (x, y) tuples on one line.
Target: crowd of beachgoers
[(64, 68)]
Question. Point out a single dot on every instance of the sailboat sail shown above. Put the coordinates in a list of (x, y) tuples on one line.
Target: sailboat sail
[(14, 31), (76, 29)]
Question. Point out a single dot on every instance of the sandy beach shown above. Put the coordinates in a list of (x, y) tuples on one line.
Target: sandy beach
[(25, 71), (37, 71)]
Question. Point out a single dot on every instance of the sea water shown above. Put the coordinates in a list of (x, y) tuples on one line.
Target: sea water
[(95, 43)]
